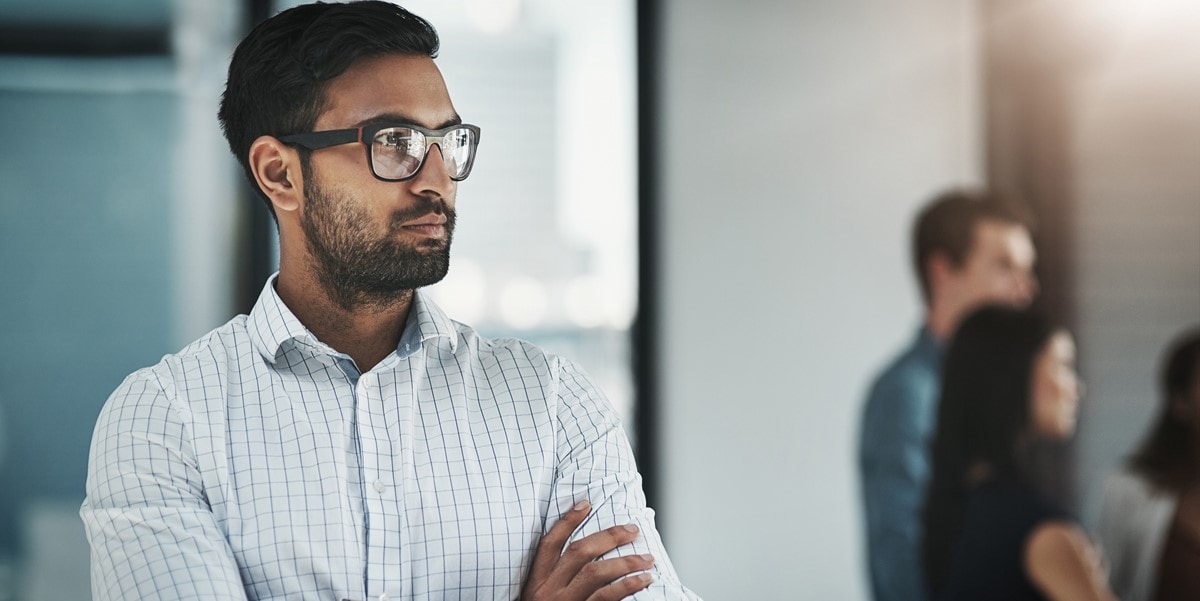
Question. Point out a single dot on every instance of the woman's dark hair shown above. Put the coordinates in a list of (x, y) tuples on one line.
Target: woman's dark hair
[(983, 418), (1167, 455), (278, 74)]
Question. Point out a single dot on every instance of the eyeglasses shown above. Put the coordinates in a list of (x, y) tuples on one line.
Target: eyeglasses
[(397, 152)]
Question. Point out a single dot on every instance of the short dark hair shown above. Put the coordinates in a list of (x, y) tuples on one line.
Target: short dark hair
[(983, 416), (278, 74), (1165, 457), (947, 225)]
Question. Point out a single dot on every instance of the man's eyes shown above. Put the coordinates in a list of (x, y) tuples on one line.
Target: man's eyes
[(395, 139)]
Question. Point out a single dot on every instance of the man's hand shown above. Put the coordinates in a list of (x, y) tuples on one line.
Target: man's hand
[(575, 575)]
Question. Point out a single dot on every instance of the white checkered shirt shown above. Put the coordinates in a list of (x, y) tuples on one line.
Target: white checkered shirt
[(258, 463)]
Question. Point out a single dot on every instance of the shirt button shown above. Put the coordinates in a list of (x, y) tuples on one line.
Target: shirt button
[(379, 488), (384, 597)]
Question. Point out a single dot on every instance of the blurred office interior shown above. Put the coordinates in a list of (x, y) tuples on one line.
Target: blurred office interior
[(706, 203)]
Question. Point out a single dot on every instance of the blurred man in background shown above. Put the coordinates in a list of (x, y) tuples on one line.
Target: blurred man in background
[(970, 247)]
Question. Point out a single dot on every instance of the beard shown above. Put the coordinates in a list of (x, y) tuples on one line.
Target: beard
[(360, 270)]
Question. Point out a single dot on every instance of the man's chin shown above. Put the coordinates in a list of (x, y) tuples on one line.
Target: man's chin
[(415, 283), (431, 246), (428, 275)]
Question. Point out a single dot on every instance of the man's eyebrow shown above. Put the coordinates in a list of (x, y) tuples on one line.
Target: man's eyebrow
[(396, 118)]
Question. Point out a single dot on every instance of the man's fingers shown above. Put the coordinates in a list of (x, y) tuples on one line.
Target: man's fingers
[(597, 575), (585, 551), (551, 546), (622, 588), (576, 572)]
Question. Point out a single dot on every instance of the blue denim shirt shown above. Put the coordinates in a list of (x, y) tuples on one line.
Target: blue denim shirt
[(897, 426)]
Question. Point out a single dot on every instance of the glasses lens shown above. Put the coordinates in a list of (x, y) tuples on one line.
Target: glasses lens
[(397, 152), (458, 147)]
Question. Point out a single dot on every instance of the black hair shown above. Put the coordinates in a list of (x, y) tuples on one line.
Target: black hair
[(278, 74), (947, 225), (983, 418), (1167, 456)]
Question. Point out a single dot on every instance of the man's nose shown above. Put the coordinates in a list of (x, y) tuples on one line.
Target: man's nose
[(433, 177), (1027, 287)]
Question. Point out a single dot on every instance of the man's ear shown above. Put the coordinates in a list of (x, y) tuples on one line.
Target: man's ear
[(939, 268), (276, 168)]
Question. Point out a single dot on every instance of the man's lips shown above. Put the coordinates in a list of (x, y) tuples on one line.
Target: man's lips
[(433, 225)]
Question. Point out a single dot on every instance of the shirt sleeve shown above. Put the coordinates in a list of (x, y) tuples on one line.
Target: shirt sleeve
[(1113, 535), (1132, 528), (149, 524), (895, 472), (595, 462)]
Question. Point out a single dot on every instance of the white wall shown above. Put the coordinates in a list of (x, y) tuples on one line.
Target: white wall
[(798, 139), (1136, 144)]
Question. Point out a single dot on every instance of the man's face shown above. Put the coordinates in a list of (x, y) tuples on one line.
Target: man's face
[(998, 268), (371, 240)]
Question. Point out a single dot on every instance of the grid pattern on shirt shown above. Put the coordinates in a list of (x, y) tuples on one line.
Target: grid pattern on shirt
[(259, 463)]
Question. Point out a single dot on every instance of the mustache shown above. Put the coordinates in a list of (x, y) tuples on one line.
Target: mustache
[(425, 205)]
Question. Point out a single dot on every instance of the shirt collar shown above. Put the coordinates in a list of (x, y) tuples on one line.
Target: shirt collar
[(928, 346), (271, 323), (426, 321)]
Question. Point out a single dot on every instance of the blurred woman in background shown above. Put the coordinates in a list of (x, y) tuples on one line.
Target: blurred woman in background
[(1150, 523), (1009, 388)]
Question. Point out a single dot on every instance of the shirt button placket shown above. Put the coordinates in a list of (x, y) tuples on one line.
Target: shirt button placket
[(369, 461)]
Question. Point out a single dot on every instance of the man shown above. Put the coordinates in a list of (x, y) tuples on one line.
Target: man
[(346, 439), (969, 248)]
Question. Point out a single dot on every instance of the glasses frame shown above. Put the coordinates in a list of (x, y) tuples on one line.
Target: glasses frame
[(365, 135)]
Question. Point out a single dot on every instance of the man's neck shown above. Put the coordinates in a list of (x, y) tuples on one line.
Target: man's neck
[(941, 318), (367, 333), (938, 326)]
